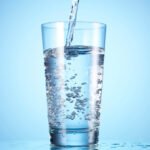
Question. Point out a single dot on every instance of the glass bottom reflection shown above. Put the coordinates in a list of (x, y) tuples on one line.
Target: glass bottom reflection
[(45, 145)]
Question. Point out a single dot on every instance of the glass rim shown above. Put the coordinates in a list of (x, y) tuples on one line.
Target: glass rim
[(51, 24)]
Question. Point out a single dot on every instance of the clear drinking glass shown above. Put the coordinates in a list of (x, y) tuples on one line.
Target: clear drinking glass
[(74, 76)]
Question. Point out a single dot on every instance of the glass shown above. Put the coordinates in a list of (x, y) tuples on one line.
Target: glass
[(74, 76)]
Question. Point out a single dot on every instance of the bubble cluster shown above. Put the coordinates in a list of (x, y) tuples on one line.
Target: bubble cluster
[(68, 88), (72, 115)]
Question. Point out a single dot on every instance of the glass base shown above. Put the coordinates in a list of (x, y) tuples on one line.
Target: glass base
[(71, 138)]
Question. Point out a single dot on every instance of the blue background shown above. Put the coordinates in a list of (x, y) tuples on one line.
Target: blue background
[(126, 94)]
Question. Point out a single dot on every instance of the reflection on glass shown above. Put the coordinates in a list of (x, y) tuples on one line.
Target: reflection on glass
[(93, 147)]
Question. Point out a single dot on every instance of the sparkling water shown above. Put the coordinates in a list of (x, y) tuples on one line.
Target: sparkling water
[(72, 22), (74, 78)]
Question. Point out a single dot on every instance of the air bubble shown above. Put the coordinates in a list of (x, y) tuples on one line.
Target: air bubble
[(66, 88), (72, 77), (69, 94), (72, 116), (87, 117), (83, 83), (99, 81)]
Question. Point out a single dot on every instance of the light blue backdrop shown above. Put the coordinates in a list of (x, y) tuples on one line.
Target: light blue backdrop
[(126, 95)]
